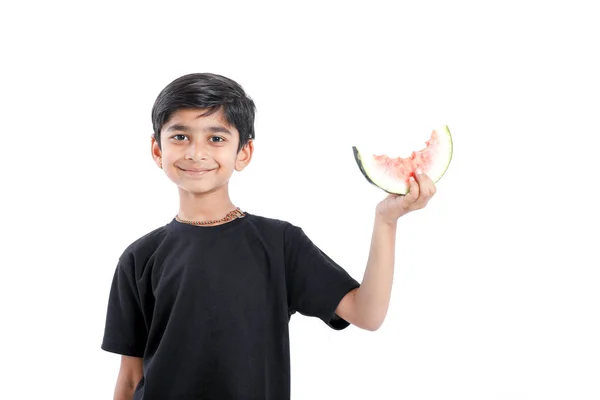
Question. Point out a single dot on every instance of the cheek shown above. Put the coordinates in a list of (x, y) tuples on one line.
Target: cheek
[(228, 161), (168, 161), (228, 164)]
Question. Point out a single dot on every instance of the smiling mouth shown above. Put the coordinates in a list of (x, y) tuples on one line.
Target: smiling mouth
[(196, 172)]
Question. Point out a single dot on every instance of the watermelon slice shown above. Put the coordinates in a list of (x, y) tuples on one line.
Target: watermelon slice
[(393, 174)]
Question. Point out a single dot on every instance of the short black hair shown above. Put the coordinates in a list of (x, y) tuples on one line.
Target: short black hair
[(207, 91)]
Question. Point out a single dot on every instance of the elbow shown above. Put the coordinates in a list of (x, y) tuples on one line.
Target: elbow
[(373, 328), (372, 324), (352, 310), (372, 320)]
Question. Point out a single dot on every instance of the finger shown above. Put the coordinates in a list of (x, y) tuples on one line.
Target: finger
[(426, 185), (426, 189), (413, 191)]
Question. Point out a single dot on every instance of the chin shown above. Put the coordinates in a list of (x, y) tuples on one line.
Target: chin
[(200, 188)]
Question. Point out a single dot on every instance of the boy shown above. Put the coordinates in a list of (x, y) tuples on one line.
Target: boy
[(199, 308)]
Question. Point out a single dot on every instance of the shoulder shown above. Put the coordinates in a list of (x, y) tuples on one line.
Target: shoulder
[(143, 247), (269, 224), (279, 231), (276, 231)]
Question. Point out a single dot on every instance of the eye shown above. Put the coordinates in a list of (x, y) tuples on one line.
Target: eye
[(179, 135), (219, 139)]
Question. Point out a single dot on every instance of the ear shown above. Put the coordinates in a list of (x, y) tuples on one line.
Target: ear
[(156, 152), (244, 156)]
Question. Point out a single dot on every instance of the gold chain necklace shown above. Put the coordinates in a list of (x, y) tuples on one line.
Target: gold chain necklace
[(231, 215)]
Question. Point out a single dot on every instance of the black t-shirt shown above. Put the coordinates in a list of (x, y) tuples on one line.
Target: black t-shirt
[(208, 307)]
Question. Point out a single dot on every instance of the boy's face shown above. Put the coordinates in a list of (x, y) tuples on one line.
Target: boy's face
[(199, 153)]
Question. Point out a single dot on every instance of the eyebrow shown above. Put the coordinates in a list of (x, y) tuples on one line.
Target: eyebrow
[(210, 129)]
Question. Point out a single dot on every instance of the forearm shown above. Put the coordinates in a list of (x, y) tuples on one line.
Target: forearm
[(123, 394), (124, 389), (373, 297)]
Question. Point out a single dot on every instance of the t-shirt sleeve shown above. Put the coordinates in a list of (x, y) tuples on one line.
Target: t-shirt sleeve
[(125, 330), (316, 284)]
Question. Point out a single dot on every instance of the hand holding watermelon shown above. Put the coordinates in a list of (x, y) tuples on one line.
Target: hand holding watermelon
[(392, 174), (409, 181), (420, 191), (410, 184)]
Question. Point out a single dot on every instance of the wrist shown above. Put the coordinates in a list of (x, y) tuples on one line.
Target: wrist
[(381, 219)]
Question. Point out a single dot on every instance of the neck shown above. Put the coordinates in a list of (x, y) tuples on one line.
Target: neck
[(206, 206)]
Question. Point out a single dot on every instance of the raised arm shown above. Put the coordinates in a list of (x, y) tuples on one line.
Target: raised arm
[(367, 306)]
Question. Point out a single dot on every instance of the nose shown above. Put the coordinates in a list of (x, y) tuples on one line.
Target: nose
[(197, 151)]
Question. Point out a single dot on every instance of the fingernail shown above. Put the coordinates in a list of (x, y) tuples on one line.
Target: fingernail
[(412, 178), (419, 171)]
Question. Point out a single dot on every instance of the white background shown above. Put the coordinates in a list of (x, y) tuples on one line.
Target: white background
[(496, 293)]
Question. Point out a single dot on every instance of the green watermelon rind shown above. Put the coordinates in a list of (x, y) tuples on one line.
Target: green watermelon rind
[(450, 152), (358, 159)]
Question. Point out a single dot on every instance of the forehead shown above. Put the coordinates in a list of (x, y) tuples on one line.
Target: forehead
[(195, 118)]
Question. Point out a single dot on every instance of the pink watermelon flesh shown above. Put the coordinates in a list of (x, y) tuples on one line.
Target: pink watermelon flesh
[(392, 174), (404, 168)]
